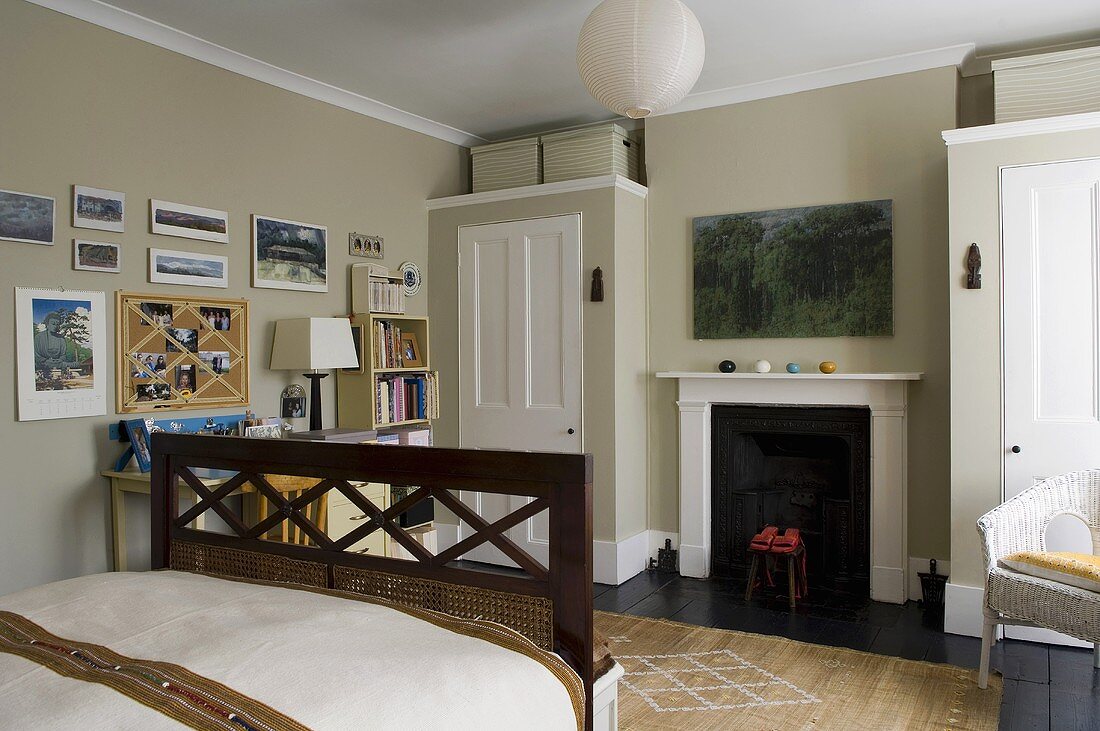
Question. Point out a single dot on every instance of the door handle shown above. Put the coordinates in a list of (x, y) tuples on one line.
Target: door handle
[(570, 430), (1016, 449)]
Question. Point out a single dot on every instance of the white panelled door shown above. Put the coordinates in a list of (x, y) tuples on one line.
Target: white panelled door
[(519, 353), (1051, 263)]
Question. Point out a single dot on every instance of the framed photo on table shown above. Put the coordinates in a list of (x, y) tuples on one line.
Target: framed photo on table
[(138, 433)]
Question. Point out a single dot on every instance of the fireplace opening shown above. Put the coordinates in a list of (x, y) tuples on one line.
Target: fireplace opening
[(801, 467)]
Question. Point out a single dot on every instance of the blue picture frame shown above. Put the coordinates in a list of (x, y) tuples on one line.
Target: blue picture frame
[(140, 442)]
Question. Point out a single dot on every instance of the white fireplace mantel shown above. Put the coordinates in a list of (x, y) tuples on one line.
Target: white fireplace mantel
[(885, 394)]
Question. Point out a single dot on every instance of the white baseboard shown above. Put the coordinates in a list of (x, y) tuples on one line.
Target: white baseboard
[(963, 610), (888, 585), (616, 562), (694, 561), (921, 565)]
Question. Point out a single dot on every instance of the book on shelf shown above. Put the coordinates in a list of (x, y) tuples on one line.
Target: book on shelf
[(406, 398), (386, 296), (387, 345)]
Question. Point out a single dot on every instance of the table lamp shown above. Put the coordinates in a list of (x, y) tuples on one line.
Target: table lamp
[(313, 344)]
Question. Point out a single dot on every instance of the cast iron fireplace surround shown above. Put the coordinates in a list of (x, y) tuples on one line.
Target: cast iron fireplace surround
[(804, 467)]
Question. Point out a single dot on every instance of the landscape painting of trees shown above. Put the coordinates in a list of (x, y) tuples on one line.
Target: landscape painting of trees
[(820, 271)]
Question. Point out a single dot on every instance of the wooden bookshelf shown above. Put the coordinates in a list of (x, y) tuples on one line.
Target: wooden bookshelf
[(357, 392)]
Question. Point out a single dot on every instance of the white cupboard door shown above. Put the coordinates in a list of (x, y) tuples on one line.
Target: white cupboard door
[(1051, 346), (519, 354)]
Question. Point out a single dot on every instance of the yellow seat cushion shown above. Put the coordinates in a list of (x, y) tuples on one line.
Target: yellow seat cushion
[(1076, 569)]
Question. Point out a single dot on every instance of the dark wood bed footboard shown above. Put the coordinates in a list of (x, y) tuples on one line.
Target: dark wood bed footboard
[(551, 605)]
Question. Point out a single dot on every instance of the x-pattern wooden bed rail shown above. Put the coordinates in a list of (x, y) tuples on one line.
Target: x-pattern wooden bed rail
[(560, 484)]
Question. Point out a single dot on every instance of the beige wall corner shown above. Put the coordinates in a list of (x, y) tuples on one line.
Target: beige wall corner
[(863, 141), (92, 107)]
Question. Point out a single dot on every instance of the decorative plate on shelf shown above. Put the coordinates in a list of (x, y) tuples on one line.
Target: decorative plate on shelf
[(410, 278)]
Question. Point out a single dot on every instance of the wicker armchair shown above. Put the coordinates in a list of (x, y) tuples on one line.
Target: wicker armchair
[(1020, 524)]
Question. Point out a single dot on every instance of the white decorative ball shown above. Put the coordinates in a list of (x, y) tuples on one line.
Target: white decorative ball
[(762, 366), (640, 57)]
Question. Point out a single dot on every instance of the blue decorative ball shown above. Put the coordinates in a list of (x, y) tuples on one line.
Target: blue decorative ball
[(793, 368), (727, 366)]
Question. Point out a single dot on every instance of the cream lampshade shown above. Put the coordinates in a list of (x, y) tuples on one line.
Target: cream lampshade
[(313, 344), (640, 57)]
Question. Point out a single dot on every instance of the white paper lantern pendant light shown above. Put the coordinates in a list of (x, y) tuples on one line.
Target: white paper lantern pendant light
[(640, 57)]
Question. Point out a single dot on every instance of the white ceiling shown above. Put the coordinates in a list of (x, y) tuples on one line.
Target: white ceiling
[(497, 68)]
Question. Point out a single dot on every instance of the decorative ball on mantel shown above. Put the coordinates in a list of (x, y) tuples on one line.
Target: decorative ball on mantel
[(727, 366), (793, 368), (827, 366), (762, 366)]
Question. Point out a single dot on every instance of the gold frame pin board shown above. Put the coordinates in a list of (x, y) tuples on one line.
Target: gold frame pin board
[(180, 352)]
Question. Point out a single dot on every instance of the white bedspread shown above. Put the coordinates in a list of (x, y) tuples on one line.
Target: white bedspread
[(327, 662)]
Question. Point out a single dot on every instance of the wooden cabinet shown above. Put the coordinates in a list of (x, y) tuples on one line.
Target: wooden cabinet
[(344, 516)]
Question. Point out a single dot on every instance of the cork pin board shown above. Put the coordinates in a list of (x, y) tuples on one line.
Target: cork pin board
[(180, 352)]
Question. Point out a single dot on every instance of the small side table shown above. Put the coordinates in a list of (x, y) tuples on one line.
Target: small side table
[(139, 482)]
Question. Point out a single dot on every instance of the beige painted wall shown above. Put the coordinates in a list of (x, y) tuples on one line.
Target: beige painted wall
[(614, 353), (863, 141), (976, 449), (88, 106)]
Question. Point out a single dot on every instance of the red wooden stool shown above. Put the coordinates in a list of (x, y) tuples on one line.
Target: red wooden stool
[(790, 545)]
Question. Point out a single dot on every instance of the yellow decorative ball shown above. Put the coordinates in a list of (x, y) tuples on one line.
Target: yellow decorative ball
[(827, 366)]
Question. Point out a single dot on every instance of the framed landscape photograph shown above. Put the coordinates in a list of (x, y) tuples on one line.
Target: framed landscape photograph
[(26, 218), (96, 256), (185, 267), (189, 222), (61, 353), (289, 254), (100, 209), (819, 271)]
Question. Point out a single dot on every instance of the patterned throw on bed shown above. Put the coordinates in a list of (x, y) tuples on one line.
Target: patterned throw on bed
[(170, 689)]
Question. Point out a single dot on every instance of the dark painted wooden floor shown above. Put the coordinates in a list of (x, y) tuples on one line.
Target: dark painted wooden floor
[(1045, 687)]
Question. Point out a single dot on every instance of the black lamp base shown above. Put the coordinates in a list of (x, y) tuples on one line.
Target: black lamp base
[(315, 399)]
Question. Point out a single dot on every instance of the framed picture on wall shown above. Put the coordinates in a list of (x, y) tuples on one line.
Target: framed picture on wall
[(186, 267), (96, 256), (104, 210), (289, 254), (189, 222), (26, 218)]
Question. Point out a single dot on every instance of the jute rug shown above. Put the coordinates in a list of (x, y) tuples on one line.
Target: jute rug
[(679, 676)]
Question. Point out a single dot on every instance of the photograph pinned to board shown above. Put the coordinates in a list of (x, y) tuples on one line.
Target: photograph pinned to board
[(148, 365), (289, 254), (371, 247), (26, 218), (217, 361), (181, 339), (189, 222), (157, 314), (104, 210), (137, 431), (217, 317), (96, 256), (185, 267), (61, 353)]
